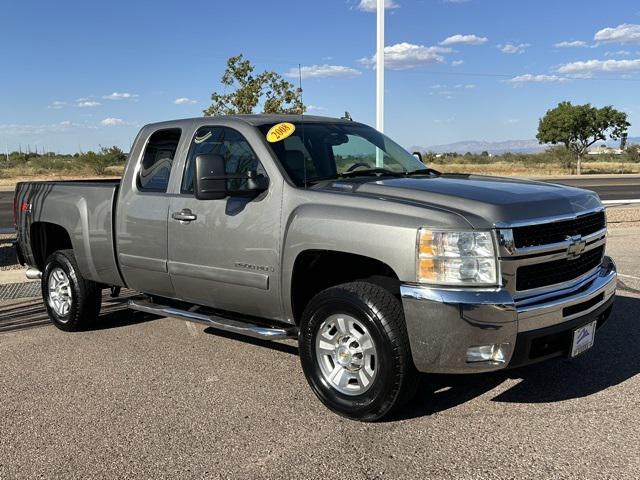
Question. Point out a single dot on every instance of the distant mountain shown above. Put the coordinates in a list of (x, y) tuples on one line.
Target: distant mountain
[(496, 148)]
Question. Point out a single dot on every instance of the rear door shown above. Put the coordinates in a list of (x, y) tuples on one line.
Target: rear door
[(227, 255), (143, 211)]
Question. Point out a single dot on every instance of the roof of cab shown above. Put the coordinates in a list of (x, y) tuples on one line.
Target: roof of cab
[(255, 120)]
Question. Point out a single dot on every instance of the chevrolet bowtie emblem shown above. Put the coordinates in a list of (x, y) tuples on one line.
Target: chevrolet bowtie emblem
[(576, 246)]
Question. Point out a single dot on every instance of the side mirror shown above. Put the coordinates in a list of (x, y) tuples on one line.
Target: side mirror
[(212, 180), (418, 155), (210, 177)]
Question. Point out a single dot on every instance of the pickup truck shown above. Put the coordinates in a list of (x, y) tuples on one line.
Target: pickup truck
[(326, 231)]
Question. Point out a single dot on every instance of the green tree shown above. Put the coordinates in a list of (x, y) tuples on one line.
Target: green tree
[(276, 94), (114, 155), (99, 162), (578, 127), (96, 162)]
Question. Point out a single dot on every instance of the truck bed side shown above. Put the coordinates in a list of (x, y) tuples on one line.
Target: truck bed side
[(69, 214)]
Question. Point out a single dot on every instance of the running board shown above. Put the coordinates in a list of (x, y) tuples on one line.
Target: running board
[(215, 321)]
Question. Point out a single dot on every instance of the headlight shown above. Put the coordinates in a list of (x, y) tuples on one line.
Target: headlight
[(456, 258)]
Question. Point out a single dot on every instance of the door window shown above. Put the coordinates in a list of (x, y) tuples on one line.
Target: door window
[(228, 143)]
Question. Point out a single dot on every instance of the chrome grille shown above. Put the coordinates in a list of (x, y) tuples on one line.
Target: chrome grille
[(550, 273), (554, 232), (551, 253)]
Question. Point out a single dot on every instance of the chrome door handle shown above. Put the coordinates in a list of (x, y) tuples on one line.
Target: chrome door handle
[(184, 215)]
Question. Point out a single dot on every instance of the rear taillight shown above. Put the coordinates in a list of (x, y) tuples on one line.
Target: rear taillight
[(24, 208)]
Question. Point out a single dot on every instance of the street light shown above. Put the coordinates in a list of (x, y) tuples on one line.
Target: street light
[(380, 77), (380, 67)]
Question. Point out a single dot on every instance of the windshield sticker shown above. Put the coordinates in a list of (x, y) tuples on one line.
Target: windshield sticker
[(280, 131)]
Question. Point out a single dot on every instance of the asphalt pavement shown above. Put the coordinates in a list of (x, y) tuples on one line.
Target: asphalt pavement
[(608, 187), (162, 398)]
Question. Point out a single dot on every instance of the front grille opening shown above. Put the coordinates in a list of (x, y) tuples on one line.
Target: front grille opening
[(543, 274), (556, 343), (581, 307), (559, 343), (554, 232)]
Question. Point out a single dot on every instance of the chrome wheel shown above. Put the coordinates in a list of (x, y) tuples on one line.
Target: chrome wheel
[(59, 292), (346, 354)]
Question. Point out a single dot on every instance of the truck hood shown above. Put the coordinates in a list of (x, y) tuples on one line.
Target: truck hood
[(484, 201)]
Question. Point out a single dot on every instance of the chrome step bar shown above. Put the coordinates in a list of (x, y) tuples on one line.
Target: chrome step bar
[(215, 321)]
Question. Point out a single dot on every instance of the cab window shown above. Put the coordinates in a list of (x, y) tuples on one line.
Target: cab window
[(157, 160)]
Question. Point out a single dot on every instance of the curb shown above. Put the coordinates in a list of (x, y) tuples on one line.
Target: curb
[(585, 176), (16, 275)]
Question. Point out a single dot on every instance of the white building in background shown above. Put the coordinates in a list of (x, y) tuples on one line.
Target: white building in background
[(604, 150)]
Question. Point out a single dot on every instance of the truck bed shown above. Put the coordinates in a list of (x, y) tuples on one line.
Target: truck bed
[(77, 211)]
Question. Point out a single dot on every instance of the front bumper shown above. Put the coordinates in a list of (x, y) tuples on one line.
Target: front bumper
[(443, 323)]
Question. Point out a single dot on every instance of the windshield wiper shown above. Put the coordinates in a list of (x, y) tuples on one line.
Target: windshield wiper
[(357, 173), (423, 171), (371, 171), (374, 172)]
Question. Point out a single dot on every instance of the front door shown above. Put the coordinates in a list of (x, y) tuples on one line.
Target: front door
[(224, 253)]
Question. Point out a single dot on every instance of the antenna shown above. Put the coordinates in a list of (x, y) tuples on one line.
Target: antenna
[(304, 158)]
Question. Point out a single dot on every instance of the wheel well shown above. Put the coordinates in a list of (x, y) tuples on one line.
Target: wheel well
[(47, 238), (316, 270)]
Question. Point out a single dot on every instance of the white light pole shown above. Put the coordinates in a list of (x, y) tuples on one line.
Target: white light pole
[(380, 76), (380, 67)]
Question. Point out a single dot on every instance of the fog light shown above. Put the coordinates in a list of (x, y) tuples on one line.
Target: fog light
[(488, 353)]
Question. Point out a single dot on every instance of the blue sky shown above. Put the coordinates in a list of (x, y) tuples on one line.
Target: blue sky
[(82, 74)]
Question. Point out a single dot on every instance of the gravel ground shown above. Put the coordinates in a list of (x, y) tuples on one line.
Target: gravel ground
[(162, 398), (623, 217)]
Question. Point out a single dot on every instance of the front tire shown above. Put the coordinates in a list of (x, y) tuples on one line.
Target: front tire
[(355, 351), (72, 302)]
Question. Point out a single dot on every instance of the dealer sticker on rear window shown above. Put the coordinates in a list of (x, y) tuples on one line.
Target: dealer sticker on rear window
[(280, 131)]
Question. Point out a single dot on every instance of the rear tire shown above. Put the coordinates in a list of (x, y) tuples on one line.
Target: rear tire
[(355, 351), (72, 302)]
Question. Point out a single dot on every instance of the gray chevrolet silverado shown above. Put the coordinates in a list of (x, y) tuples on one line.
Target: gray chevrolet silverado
[(327, 231)]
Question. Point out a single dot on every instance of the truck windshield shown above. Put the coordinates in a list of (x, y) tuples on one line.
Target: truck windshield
[(324, 150)]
